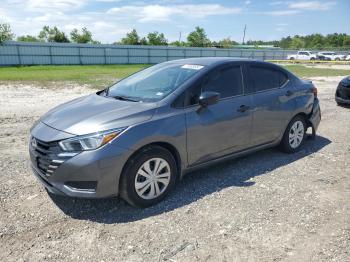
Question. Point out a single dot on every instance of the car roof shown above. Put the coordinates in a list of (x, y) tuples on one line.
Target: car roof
[(209, 60)]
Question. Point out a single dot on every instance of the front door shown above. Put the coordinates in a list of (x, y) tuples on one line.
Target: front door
[(222, 128)]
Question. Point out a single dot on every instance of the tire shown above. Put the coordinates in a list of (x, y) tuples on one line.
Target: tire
[(298, 127), (312, 59), (337, 59), (292, 58), (134, 187)]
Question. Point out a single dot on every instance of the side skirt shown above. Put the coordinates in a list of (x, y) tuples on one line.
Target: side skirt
[(228, 157)]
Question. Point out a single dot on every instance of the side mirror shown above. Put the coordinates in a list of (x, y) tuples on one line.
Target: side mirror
[(208, 98)]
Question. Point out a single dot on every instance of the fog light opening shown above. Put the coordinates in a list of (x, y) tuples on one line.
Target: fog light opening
[(89, 186)]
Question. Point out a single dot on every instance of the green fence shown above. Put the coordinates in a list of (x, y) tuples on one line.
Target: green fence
[(24, 53)]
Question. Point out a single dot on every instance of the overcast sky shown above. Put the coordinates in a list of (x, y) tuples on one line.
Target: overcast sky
[(109, 20)]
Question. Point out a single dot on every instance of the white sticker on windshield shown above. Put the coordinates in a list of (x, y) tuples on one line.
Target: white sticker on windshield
[(159, 94), (194, 67)]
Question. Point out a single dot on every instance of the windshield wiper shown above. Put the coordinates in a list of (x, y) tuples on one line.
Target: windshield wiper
[(107, 91), (125, 98)]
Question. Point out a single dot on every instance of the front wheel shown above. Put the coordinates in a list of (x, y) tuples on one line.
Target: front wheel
[(294, 135), (148, 177)]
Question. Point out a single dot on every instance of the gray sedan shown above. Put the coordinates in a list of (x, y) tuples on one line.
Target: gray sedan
[(138, 137)]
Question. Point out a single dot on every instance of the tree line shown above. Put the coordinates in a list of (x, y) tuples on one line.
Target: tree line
[(313, 41), (49, 34), (196, 38)]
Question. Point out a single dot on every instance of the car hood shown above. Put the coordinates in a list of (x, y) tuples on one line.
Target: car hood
[(94, 113)]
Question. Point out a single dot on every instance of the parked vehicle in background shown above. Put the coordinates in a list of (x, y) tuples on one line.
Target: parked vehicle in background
[(139, 136), (342, 94), (330, 56), (303, 55), (347, 58)]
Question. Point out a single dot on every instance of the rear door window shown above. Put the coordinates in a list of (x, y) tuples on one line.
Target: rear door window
[(265, 77)]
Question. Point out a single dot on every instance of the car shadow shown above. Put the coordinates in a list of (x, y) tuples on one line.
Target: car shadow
[(194, 186), (344, 105)]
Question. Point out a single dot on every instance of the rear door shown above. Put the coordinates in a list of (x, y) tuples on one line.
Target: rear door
[(272, 101), (222, 128)]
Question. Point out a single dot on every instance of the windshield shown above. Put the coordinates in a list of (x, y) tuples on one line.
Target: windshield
[(153, 83)]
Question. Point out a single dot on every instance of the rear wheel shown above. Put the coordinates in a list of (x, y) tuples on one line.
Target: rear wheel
[(148, 177), (294, 135)]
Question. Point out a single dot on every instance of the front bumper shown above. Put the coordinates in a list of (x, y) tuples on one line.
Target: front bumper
[(89, 174)]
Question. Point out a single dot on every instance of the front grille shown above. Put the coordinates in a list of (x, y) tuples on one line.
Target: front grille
[(46, 155)]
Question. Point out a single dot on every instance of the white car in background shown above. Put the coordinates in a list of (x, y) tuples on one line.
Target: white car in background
[(347, 58), (303, 55), (330, 56)]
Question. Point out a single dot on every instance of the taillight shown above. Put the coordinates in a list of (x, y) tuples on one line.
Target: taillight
[(314, 91)]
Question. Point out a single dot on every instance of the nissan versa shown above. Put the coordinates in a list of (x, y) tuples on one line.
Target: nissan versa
[(138, 137)]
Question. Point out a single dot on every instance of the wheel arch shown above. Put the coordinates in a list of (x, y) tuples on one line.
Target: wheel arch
[(171, 148), (302, 114), (305, 116), (307, 121)]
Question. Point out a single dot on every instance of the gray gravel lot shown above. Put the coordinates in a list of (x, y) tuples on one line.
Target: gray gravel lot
[(267, 206)]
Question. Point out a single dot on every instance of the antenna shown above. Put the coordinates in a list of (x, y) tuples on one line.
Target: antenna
[(245, 28)]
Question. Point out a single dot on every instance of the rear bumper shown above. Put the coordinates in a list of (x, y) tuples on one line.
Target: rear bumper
[(342, 101), (315, 117), (342, 95)]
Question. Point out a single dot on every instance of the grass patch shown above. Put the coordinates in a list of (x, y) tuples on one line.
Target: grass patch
[(94, 75), (99, 76), (303, 71)]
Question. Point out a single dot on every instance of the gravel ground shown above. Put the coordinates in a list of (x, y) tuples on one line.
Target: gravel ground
[(267, 206)]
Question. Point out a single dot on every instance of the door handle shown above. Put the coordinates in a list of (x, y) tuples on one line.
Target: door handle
[(289, 93), (243, 108)]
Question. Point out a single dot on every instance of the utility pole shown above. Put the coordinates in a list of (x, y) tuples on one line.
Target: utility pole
[(245, 28), (180, 37)]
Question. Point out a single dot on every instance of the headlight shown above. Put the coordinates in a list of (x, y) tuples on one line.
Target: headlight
[(91, 141)]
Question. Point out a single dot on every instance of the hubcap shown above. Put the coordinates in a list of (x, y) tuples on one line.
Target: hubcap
[(152, 178), (296, 134)]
